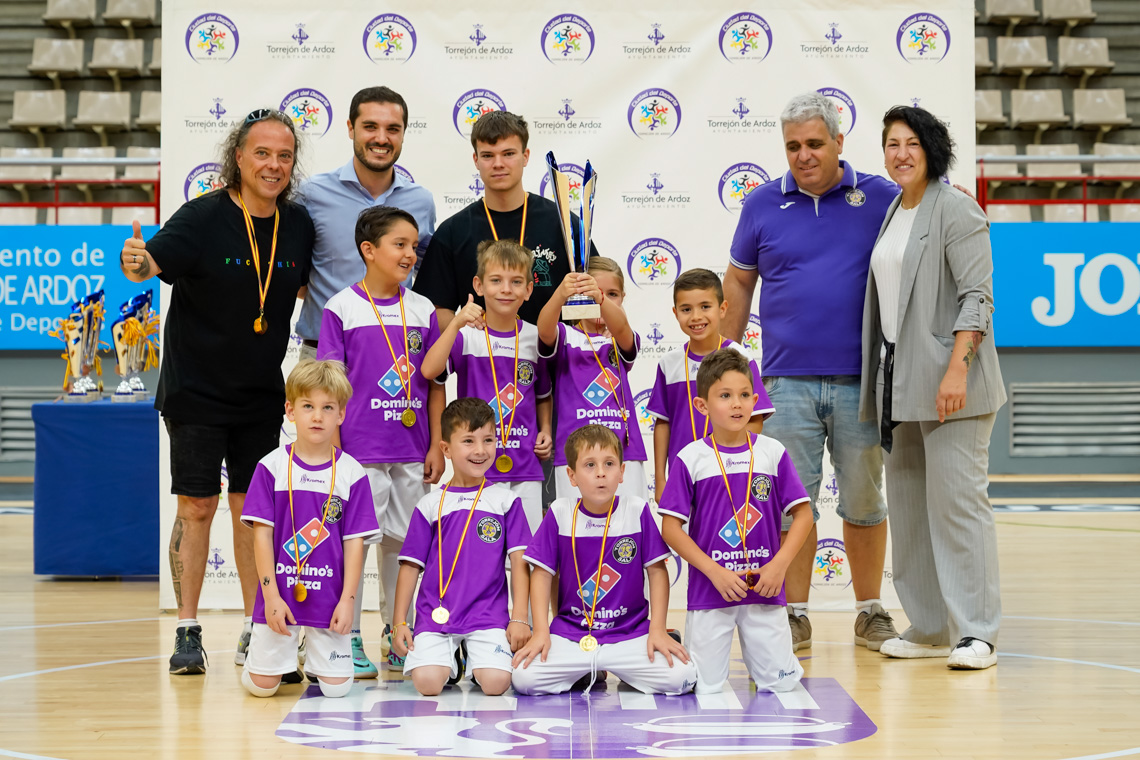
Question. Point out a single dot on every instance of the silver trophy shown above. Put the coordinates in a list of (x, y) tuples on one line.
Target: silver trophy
[(135, 346), (577, 240), (80, 332)]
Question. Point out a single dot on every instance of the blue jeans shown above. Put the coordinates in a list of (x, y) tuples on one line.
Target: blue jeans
[(813, 411)]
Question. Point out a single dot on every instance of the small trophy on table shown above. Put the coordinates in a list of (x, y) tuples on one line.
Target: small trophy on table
[(577, 240), (135, 346), (80, 334)]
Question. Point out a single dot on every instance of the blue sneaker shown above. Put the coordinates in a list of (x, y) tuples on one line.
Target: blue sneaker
[(395, 661), (362, 667)]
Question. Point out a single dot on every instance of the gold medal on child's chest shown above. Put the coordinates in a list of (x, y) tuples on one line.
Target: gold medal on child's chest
[(588, 643), (408, 418), (300, 592), (504, 463), (440, 615)]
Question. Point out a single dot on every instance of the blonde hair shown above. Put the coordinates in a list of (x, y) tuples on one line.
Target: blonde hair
[(507, 254), (587, 437), (310, 375), (599, 264)]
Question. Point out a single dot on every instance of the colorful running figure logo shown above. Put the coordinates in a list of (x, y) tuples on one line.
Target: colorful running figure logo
[(389, 37), (752, 336), (737, 182), (202, 179), (640, 402), (567, 38), (844, 104), (923, 38), (212, 37), (830, 568), (653, 262), (470, 106), (654, 112), (745, 37), (310, 111), (574, 173)]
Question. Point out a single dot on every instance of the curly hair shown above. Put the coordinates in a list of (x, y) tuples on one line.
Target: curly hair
[(932, 133), (235, 140)]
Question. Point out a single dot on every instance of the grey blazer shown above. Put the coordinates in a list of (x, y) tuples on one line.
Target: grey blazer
[(947, 286)]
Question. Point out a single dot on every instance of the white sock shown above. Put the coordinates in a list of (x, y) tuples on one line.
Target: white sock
[(799, 608), (865, 605), (247, 624), (253, 688), (187, 622), (334, 690)]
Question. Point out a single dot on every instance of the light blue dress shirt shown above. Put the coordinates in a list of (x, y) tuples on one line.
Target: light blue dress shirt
[(334, 200)]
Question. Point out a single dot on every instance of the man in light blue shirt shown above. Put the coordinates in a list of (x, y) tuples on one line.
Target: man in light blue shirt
[(377, 119)]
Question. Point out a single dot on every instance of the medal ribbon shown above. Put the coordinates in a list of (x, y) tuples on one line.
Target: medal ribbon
[(324, 512), (689, 393), (609, 383), (504, 432), (262, 290), (439, 537), (494, 232), (407, 386), (740, 526), (601, 558)]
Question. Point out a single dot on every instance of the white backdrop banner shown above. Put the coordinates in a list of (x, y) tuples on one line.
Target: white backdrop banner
[(676, 105)]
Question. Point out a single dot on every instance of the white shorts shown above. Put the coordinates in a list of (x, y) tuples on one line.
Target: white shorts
[(530, 493), (396, 488), (326, 653), (628, 660), (765, 643), (633, 483), (485, 649)]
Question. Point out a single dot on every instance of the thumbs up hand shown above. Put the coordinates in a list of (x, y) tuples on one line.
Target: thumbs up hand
[(134, 259), (471, 314)]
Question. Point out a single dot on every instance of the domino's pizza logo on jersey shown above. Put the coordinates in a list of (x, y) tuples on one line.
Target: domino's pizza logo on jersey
[(761, 487), (730, 532), (625, 550), (490, 530), (526, 372), (415, 340), (599, 391), (309, 537), (608, 579), (397, 376), (333, 510)]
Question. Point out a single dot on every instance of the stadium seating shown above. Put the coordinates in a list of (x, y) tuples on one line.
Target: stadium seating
[(79, 173), (1071, 212), (1129, 212), (1011, 12), (125, 215), (987, 109), (982, 62), (1036, 109), (998, 169), (70, 14), (1067, 12), (116, 59), (1000, 212), (29, 174), (56, 58), (39, 110), (1102, 110), (150, 110), (104, 112), (155, 65), (1022, 55), (1054, 170), (130, 13), (1083, 56), (1117, 169)]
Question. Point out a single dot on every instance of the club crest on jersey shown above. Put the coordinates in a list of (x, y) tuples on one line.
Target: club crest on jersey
[(526, 372), (334, 510), (612, 356), (761, 487), (415, 341), (856, 197), (490, 530), (625, 550)]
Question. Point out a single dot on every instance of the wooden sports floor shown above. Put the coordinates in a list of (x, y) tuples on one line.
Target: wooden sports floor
[(83, 674)]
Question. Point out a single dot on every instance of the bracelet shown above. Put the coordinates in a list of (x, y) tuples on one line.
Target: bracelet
[(528, 625), (403, 623)]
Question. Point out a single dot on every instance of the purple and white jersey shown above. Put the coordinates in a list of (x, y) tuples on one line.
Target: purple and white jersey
[(582, 393), (671, 399), (633, 544), (469, 362), (477, 596), (320, 548), (372, 431), (696, 494)]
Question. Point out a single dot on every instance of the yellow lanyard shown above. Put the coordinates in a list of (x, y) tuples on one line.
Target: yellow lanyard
[(262, 290), (601, 556), (522, 229), (324, 512), (741, 523), (689, 392), (407, 386), (439, 537), (504, 432), (609, 383)]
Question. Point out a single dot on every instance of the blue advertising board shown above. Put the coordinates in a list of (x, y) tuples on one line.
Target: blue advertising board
[(1061, 284), (44, 269)]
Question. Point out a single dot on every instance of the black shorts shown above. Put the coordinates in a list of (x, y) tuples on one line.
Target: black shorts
[(197, 452)]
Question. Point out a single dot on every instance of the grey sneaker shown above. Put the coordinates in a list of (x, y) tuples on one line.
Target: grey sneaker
[(242, 647), (801, 631), (874, 627)]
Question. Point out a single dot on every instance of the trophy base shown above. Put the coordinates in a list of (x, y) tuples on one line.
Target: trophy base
[(126, 398), (82, 398), (573, 311)]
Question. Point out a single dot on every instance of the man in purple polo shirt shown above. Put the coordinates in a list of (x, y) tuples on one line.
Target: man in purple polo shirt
[(809, 236)]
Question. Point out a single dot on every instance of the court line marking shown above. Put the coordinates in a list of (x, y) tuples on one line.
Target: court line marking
[(85, 622), (1067, 620), (1067, 527)]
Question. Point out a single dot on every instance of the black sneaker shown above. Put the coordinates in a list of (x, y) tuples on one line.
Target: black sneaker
[(674, 634), (460, 663), (297, 676), (584, 681), (189, 657)]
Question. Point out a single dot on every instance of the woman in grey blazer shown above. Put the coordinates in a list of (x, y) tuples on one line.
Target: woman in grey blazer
[(931, 376)]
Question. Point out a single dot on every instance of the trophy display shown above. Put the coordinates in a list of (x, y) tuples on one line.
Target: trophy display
[(577, 240), (80, 334), (134, 334)]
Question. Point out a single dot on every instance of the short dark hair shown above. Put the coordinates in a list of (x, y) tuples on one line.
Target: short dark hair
[(933, 136), (698, 279), (374, 223), (376, 95), (465, 414), (718, 364), (587, 437), (499, 125)]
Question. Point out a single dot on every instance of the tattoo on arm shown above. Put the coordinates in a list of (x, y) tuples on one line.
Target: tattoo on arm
[(176, 558), (973, 342), (143, 269), (265, 581)]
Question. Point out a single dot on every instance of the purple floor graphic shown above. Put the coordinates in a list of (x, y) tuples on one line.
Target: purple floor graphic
[(389, 717)]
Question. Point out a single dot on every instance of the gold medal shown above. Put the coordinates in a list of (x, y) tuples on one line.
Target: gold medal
[(504, 463), (261, 325), (408, 418), (588, 643), (440, 615), (300, 592)]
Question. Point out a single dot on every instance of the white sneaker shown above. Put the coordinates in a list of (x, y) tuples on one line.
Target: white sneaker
[(972, 654), (908, 650)]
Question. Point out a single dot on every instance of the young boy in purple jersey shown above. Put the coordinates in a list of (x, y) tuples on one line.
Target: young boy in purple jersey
[(601, 547), (733, 488), (382, 332), (310, 509), (517, 384), (460, 536), (698, 305), (591, 361)]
